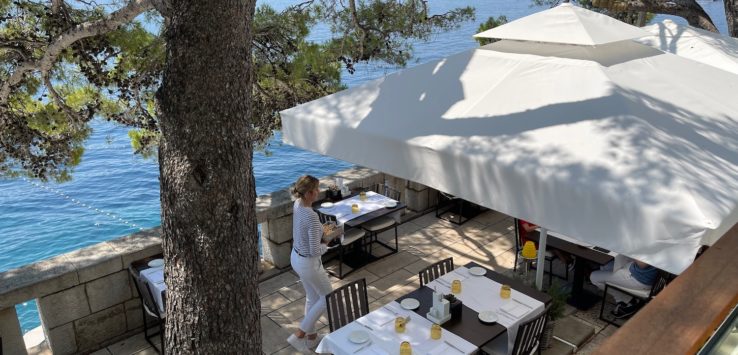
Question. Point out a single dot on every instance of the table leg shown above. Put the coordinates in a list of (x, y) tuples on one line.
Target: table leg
[(581, 298)]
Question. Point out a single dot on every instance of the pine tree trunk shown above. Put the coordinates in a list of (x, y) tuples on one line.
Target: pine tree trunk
[(731, 16), (207, 184)]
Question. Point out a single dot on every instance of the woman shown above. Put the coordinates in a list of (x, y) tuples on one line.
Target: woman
[(308, 246)]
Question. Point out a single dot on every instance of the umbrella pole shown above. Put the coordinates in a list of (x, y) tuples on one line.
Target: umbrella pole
[(541, 258)]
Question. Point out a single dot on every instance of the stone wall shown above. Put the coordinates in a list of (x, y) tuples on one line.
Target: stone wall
[(86, 299)]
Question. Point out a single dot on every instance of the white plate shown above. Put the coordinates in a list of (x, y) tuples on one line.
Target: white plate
[(156, 263), (389, 204), (358, 337), (488, 316), (477, 271), (410, 303), (326, 204)]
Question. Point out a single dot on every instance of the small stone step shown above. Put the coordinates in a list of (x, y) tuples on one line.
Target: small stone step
[(573, 331), (558, 348)]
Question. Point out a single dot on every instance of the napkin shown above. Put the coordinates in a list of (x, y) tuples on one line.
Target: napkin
[(514, 309), (443, 348)]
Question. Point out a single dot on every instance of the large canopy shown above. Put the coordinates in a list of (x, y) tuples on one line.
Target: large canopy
[(619, 145), (694, 43)]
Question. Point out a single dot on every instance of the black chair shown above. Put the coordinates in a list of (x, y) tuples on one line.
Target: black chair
[(384, 223), (350, 236), (662, 279), (435, 271), (549, 257), (149, 309), (528, 339), (529, 335), (456, 210), (346, 304)]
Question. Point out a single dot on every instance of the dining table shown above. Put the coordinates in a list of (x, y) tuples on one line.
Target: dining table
[(153, 277), (586, 255), (464, 334), (371, 207)]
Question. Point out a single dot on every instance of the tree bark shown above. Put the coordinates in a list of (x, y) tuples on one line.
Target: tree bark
[(731, 16), (207, 185), (688, 9)]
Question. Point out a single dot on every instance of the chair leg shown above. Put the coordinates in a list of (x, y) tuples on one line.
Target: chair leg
[(515, 265), (550, 272), (161, 335), (602, 307), (397, 243), (340, 261)]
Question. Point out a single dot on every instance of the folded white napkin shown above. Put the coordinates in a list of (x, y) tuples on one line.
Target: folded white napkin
[(514, 309), (443, 348)]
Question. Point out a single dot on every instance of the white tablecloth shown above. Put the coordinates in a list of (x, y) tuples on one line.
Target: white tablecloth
[(482, 294), (380, 325), (154, 278), (342, 209)]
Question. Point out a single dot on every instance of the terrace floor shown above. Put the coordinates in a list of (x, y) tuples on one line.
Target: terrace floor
[(486, 239)]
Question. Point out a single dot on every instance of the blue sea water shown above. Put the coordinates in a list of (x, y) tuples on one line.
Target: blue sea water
[(114, 192)]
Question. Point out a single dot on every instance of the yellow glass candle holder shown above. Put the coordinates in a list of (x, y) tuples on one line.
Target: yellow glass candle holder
[(456, 286), (529, 250), (505, 292), (405, 348), (355, 208), (362, 196), (435, 332), (400, 325)]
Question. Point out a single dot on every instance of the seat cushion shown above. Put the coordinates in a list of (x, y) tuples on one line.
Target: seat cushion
[(633, 292), (379, 223), (352, 235)]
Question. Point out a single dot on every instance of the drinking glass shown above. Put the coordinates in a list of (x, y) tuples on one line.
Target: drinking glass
[(456, 286), (355, 208), (362, 196), (435, 331), (400, 325), (405, 348), (505, 292)]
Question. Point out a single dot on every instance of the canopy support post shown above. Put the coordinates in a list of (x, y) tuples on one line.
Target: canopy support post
[(541, 262)]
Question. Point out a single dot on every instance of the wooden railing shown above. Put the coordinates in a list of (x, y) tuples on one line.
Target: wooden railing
[(687, 312)]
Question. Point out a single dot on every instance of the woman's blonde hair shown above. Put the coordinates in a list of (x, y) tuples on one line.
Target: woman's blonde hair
[(303, 185)]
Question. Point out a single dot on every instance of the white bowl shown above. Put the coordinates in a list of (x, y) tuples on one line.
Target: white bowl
[(156, 263), (488, 316), (410, 303), (358, 337), (326, 204)]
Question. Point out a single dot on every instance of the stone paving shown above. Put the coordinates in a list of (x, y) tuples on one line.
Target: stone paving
[(486, 239)]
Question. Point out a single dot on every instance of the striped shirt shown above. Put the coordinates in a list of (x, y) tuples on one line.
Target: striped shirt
[(307, 231)]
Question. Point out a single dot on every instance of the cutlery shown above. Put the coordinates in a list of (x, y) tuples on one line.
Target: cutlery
[(365, 326), (521, 303), (363, 346), (452, 346), (391, 310)]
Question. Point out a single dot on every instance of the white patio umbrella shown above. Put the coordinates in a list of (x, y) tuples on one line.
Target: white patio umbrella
[(615, 144), (694, 43)]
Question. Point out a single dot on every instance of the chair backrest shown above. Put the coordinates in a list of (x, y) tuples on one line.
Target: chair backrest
[(529, 334), (326, 217), (147, 298), (346, 304), (518, 246), (435, 271), (662, 280), (387, 191)]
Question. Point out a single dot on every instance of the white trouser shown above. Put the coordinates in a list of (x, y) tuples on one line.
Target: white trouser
[(621, 277), (317, 285)]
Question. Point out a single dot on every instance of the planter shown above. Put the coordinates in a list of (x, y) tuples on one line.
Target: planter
[(547, 336), (333, 195), (455, 309)]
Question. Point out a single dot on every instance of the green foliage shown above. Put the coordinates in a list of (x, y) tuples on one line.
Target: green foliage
[(559, 294), (489, 24), (115, 75)]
